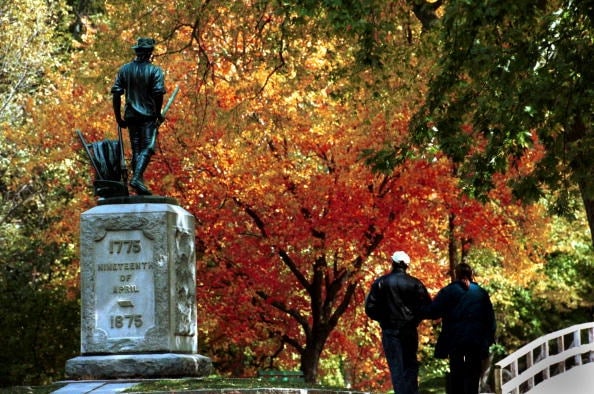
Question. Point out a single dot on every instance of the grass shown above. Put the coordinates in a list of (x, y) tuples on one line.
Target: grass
[(30, 389), (179, 385), (432, 385), (219, 383), (428, 385)]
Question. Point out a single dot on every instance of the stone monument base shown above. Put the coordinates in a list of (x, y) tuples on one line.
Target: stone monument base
[(167, 365)]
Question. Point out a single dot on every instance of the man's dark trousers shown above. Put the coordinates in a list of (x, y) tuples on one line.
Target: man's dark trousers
[(400, 348), (465, 372)]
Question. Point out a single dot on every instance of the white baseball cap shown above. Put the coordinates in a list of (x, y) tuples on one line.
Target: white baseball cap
[(401, 256)]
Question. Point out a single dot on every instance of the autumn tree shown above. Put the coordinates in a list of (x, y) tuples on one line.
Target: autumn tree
[(38, 296), (264, 147), (37, 279), (29, 45), (298, 215)]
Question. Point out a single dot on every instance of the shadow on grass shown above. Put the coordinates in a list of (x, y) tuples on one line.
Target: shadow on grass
[(433, 385), (30, 389)]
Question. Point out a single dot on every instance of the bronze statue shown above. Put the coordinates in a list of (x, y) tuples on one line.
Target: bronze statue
[(143, 84)]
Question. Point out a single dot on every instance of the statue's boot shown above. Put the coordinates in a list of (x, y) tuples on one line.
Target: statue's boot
[(137, 181)]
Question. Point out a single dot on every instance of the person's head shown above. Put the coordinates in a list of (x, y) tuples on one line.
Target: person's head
[(400, 260), (144, 47), (463, 271)]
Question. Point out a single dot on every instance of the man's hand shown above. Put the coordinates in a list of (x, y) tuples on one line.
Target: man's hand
[(117, 103)]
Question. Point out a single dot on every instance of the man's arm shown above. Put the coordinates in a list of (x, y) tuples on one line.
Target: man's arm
[(117, 90), (158, 91), (159, 107), (373, 309), (491, 322), (423, 301), (435, 309), (117, 109), (425, 298)]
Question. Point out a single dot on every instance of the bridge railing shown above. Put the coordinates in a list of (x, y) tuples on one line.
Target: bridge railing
[(544, 358)]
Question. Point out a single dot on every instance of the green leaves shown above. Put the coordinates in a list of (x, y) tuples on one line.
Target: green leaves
[(508, 69), (384, 160), (30, 40)]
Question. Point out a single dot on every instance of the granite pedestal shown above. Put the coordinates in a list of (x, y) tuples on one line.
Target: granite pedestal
[(138, 293)]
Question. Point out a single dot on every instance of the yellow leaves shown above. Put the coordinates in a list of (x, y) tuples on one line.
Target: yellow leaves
[(29, 44), (262, 146)]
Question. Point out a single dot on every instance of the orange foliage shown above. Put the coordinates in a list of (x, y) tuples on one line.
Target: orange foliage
[(263, 146)]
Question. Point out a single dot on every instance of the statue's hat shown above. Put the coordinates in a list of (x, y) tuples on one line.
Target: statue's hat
[(144, 43)]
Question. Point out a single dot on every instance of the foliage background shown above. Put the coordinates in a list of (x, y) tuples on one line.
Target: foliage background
[(282, 144)]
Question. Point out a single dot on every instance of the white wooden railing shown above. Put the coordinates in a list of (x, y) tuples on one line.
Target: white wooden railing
[(544, 358)]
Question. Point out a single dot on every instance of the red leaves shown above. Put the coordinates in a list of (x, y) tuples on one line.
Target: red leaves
[(291, 225)]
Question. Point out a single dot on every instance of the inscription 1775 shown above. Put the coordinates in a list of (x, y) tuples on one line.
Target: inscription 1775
[(118, 246)]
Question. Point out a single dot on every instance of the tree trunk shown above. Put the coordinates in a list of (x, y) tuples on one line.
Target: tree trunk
[(452, 246), (310, 359), (582, 167), (585, 185)]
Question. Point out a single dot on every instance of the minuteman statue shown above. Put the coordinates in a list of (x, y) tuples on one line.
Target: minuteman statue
[(143, 84)]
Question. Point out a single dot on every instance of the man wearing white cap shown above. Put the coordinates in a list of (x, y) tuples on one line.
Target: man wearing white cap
[(395, 301)]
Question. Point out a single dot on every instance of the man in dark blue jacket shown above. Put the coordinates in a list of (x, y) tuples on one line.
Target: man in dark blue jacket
[(467, 331), (395, 301)]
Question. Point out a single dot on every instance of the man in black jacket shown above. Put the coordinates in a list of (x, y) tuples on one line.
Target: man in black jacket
[(143, 83), (467, 329), (395, 301)]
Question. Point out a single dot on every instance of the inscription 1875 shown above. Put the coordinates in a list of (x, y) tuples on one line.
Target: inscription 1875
[(125, 298)]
